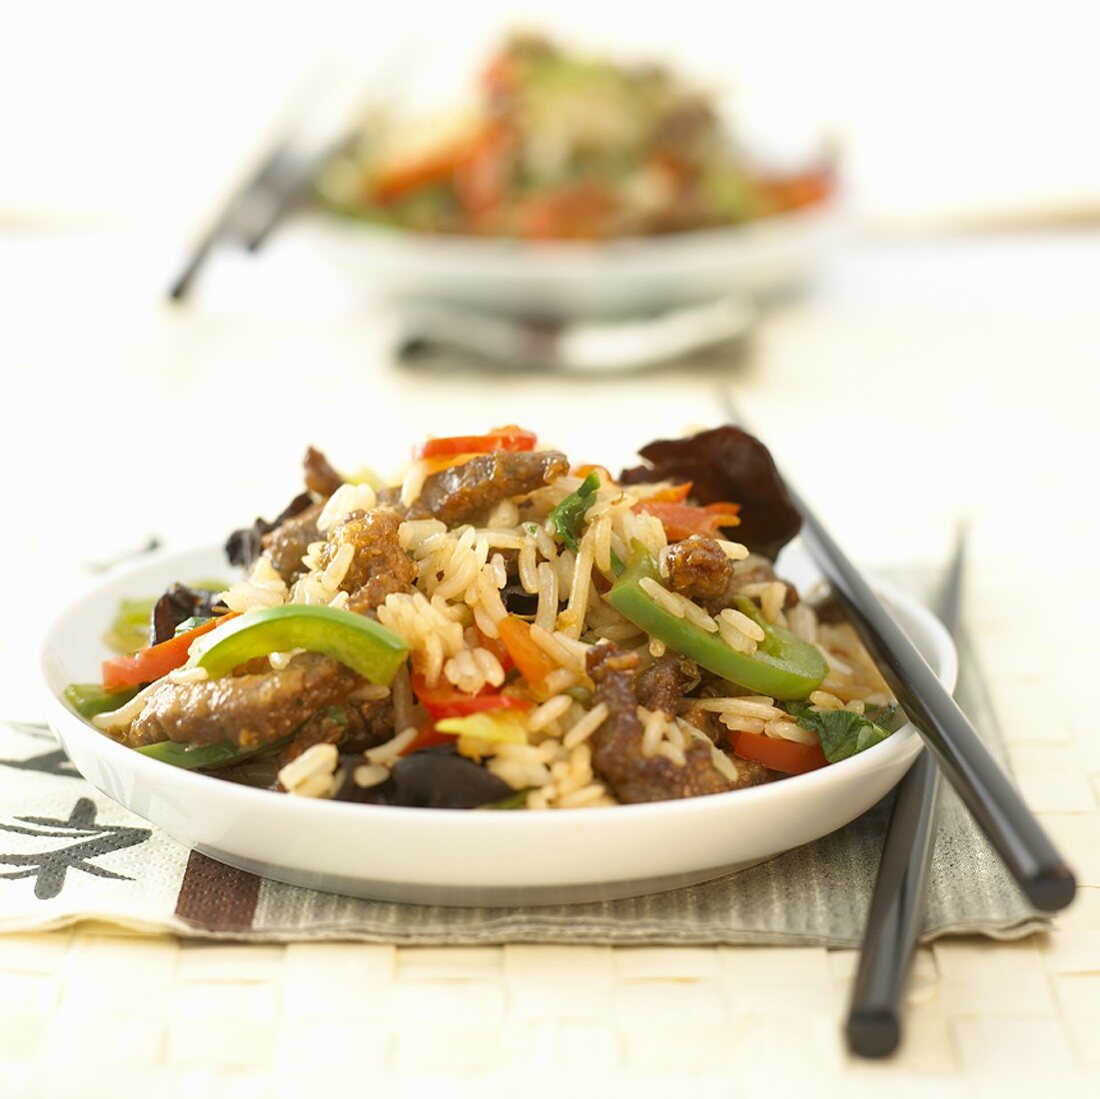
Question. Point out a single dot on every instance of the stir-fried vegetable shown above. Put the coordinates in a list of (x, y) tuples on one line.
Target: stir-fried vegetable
[(362, 644), (782, 667), (568, 516), (493, 727), (200, 757), (843, 733), (683, 520), (444, 700), (157, 660), (533, 664), (89, 699), (788, 756), (502, 438)]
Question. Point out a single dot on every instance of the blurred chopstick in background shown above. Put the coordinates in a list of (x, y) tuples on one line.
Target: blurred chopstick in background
[(317, 119)]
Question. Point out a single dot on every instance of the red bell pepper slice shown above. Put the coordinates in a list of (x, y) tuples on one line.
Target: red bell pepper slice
[(788, 756), (148, 664), (502, 438)]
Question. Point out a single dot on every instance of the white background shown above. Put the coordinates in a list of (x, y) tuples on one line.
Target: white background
[(966, 109)]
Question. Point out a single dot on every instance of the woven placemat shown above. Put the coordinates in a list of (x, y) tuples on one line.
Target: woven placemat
[(72, 854)]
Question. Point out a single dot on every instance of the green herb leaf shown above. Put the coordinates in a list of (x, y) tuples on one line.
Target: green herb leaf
[(189, 624), (568, 516), (842, 732)]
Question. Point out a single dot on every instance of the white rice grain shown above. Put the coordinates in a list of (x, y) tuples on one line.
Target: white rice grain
[(546, 613), (345, 500), (586, 726), (743, 623), (388, 753), (413, 483), (548, 712)]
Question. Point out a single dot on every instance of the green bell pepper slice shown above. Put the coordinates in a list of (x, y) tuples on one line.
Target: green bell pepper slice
[(89, 699), (782, 667), (362, 644), (198, 757)]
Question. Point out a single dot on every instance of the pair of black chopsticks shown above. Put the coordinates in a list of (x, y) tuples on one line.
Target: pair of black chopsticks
[(312, 125), (251, 212), (897, 906)]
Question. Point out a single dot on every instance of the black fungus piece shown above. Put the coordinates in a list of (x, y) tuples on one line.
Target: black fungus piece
[(178, 604), (433, 778), (727, 464), (518, 601), (243, 546)]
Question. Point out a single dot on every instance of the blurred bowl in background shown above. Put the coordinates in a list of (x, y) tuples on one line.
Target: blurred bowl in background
[(570, 279), (573, 186)]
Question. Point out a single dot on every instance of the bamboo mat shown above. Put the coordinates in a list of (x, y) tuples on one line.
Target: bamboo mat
[(93, 1011)]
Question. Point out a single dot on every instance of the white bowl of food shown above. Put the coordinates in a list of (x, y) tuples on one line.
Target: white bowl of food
[(577, 186), (423, 720)]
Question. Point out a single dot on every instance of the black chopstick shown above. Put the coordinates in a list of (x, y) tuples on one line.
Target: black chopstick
[(993, 801), (226, 225), (897, 906)]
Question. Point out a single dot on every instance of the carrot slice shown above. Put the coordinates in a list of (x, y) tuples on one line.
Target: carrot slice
[(534, 665), (683, 520), (787, 756)]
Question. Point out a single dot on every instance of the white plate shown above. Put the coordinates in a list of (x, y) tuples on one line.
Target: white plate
[(453, 856), (565, 279)]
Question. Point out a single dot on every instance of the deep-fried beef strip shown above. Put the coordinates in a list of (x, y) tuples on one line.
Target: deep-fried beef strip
[(321, 479), (248, 710), (457, 494), (355, 726), (661, 685), (379, 566), (287, 543), (700, 570), (244, 546), (617, 744)]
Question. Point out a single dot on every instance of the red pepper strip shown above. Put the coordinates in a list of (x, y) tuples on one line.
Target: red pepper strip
[(501, 438), (444, 700), (788, 756), (149, 664), (683, 520)]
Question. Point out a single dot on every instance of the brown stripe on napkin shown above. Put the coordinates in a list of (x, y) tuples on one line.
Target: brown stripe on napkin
[(217, 897)]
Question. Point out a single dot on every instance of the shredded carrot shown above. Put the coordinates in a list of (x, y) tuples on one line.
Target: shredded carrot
[(683, 520), (534, 665)]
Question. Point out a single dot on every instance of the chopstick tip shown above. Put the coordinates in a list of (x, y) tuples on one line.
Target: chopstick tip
[(1053, 889), (873, 1032)]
